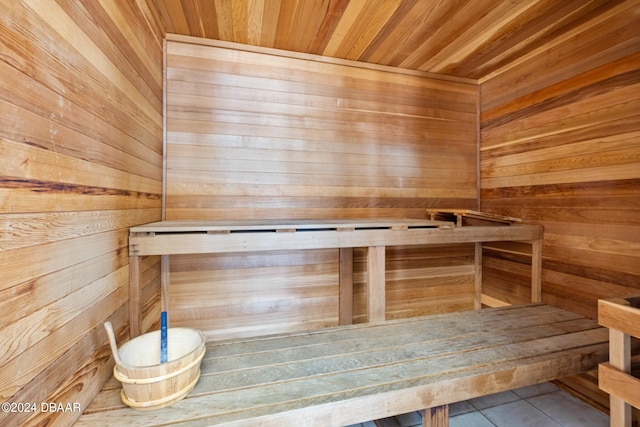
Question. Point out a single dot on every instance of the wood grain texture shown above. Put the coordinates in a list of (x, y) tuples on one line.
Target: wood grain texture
[(279, 135), (473, 39), (351, 374), (621, 316), (559, 147), (263, 134), (420, 285), (80, 163), (81, 102)]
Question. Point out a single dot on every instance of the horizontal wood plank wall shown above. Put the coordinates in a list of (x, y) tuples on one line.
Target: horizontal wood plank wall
[(260, 133), (420, 280), (560, 146), (80, 163)]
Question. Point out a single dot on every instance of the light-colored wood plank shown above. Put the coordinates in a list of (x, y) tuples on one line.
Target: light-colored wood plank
[(39, 351), (620, 359), (189, 243), (621, 317), (474, 214), (362, 366), (376, 283), (52, 287), (165, 279), (620, 385), (81, 162), (64, 26), (345, 290), (90, 352), (20, 268), (286, 225), (477, 276), (536, 270), (46, 166), (134, 296), (26, 230), (619, 314), (225, 49)]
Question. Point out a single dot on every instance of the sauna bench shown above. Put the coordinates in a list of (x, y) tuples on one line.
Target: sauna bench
[(167, 238), (350, 374)]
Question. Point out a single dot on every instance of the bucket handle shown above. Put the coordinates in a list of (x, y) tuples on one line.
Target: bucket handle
[(112, 342)]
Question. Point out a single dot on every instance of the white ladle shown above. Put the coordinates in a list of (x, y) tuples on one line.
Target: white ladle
[(112, 343)]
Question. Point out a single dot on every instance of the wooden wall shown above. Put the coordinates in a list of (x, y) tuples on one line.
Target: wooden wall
[(560, 146), (80, 162), (255, 133), (261, 133)]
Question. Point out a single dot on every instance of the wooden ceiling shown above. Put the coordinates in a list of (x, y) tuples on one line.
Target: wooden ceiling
[(466, 38)]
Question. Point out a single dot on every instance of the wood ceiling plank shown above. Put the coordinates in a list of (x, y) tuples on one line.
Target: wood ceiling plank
[(224, 14), (478, 29), (360, 24), (255, 18), (417, 49), (174, 15), (607, 17), (240, 25), (474, 39), (522, 32), (269, 25), (396, 29), (286, 19), (205, 15), (307, 23)]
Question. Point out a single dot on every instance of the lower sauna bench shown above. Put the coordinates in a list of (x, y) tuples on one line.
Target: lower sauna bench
[(351, 374)]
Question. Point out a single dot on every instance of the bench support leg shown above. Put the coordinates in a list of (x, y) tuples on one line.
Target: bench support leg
[(477, 279), (376, 284), (536, 271), (436, 417), (164, 282), (619, 358), (345, 295), (134, 296)]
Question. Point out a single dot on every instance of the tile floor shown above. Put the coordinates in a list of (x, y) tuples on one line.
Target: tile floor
[(542, 405)]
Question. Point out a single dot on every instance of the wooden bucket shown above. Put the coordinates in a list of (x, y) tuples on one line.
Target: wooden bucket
[(148, 384)]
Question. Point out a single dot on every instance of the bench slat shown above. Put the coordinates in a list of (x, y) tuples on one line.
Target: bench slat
[(368, 355), (361, 372), (449, 324)]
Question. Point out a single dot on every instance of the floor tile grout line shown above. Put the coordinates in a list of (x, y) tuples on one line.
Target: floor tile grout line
[(524, 397)]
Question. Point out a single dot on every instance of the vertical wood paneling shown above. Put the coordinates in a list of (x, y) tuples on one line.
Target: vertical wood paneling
[(560, 146), (80, 163), (264, 134)]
